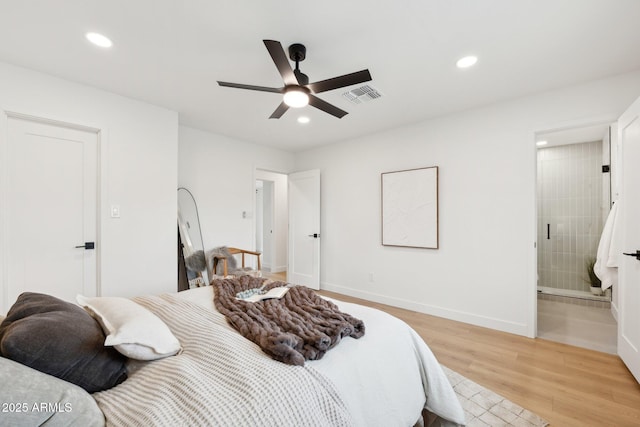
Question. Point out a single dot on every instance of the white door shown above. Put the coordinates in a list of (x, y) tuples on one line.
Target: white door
[(51, 210), (629, 266), (304, 229)]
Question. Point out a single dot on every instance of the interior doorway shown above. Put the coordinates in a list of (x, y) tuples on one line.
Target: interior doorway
[(573, 201), (271, 221)]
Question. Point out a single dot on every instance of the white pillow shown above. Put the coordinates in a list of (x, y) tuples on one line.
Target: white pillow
[(130, 328)]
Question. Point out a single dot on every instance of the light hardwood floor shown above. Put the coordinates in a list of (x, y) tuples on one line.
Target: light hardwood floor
[(566, 385), (275, 276)]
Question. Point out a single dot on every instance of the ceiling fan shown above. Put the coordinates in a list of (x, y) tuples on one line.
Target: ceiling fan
[(297, 91)]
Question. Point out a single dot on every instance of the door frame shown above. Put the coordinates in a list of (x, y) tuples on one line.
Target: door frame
[(532, 294), (101, 155)]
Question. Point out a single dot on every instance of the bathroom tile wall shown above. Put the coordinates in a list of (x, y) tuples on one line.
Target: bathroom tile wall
[(570, 201)]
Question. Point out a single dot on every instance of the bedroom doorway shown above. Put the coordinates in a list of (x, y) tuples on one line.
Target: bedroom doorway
[(271, 221), (304, 228), (573, 200), (51, 211), (292, 243)]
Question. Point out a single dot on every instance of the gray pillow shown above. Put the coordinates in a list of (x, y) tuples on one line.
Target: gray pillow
[(38, 399), (61, 339)]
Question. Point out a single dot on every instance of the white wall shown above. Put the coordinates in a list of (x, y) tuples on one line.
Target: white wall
[(138, 171), (484, 271), (220, 172)]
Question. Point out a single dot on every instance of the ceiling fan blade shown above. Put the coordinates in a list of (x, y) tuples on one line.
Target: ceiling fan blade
[(282, 108), (282, 63), (342, 81), (251, 87), (326, 107)]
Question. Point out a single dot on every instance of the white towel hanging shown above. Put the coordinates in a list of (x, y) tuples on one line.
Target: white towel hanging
[(606, 266)]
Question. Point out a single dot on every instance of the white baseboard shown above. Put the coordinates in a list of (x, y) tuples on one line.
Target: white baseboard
[(460, 316), (614, 310), (276, 269)]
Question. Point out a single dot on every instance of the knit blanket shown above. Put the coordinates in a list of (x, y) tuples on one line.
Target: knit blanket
[(218, 380), (297, 327)]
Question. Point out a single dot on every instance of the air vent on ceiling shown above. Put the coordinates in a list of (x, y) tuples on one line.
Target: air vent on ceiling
[(362, 94)]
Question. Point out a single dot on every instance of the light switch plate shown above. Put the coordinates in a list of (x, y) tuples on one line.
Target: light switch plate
[(115, 211)]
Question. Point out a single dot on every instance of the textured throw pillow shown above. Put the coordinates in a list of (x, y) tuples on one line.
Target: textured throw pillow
[(37, 399), (60, 339), (132, 329)]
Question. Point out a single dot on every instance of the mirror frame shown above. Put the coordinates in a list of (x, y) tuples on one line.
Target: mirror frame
[(190, 228)]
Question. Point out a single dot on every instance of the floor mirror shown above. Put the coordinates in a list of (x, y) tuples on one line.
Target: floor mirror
[(190, 240)]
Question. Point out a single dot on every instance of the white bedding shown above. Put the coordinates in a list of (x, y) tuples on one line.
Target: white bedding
[(220, 379), (384, 378)]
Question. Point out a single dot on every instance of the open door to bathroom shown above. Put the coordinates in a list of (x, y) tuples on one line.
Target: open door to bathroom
[(629, 274)]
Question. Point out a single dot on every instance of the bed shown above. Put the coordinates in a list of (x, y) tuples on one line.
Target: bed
[(388, 377)]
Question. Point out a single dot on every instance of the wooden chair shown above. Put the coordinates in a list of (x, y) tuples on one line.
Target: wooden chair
[(233, 251)]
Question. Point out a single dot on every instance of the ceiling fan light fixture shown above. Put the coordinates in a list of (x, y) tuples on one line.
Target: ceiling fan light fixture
[(296, 97)]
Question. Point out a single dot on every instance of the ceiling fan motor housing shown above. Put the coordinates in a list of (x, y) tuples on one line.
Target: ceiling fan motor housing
[(297, 52), (302, 78)]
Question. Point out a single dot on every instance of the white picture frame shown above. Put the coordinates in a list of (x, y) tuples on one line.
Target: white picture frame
[(409, 200)]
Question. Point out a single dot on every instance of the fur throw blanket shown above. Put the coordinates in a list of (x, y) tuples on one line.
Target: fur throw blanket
[(297, 327), (195, 261), (232, 263)]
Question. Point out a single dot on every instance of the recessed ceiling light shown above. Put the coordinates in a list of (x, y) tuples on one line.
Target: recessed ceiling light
[(99, 39), (303, 119), (467, 61), (541, 143)]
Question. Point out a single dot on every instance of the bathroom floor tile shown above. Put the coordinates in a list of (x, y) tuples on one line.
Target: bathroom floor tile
[(587, 327)]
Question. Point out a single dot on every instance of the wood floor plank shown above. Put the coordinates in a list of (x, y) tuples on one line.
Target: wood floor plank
[(568, 386)]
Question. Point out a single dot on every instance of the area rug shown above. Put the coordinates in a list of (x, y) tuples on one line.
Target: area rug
[(484, 408)]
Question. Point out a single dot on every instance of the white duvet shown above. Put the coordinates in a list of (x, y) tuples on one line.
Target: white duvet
[(384, 378)]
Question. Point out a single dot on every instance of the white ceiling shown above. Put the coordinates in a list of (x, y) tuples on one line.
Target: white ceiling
[(171, 52)]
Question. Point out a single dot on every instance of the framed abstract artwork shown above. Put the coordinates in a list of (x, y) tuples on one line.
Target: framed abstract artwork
[(410, 208)]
